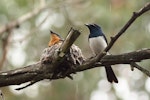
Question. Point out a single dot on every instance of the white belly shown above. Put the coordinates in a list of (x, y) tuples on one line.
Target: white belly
[(97, 44)]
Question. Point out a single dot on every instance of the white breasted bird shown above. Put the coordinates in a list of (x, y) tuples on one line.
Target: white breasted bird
[(98, 43)]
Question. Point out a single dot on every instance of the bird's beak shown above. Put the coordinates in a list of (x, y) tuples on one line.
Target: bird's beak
[(51, 32)]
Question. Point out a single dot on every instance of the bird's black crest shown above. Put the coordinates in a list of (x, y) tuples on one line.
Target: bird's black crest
[(51, 32)]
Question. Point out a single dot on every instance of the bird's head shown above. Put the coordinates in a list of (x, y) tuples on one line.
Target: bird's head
[(95, 30), (54, 38)]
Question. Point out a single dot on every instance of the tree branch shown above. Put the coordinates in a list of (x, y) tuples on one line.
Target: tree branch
[(126, 58), (22, 19), (15, 23), (39, 71), (114, 39), (140, 68), (70, 39), (45, 70), (127, 25)]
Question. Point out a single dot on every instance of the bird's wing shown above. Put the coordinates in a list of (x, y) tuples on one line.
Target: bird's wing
[(105, 38)]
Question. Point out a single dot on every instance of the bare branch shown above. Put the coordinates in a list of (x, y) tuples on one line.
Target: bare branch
[(19, 76), (70, 39), (41, 70), (30, 15), (36, 72), (140, 68), (114, 39), (31, 83), (126, 58), (22, 19), (127, 25)]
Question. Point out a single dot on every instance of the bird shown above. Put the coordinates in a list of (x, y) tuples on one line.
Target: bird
[(54, 39), (74, 55), (97, 43)]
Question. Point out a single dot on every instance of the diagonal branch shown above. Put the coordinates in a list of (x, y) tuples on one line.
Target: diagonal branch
[(22, 19), (114, 39), (127, 25), (70, 39), (140, 68), (29, 15)]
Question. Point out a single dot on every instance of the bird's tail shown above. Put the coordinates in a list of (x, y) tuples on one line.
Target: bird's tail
[(111, 77)]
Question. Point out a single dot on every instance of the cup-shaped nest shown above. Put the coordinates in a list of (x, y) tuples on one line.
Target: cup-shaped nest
[(73, 58)]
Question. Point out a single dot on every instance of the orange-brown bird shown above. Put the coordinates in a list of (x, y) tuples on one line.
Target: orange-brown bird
[(74, 55), (54, 39)]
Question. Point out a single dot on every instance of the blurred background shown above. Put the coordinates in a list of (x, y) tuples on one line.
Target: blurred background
[(24, 44)]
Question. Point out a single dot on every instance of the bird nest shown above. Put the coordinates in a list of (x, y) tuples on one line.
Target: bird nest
[(73, 58)]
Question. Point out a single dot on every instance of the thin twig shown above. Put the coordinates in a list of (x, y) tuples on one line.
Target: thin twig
[(31, 83), (140, 68)]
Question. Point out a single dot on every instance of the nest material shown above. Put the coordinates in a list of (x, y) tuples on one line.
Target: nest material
[(73, 58)]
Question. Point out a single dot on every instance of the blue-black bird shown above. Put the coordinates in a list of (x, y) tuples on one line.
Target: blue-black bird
[(98, 43)]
